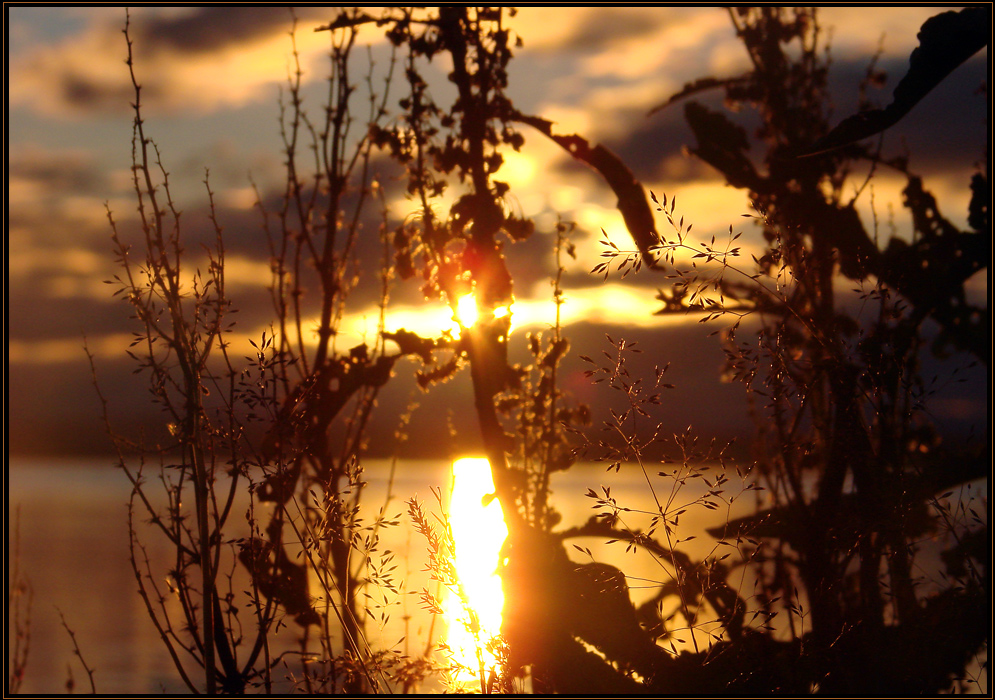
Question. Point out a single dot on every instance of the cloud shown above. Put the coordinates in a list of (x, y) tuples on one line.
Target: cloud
[(593, 70), (856, 32), (60, 253), (211, 29), (197, 61), (57, 221), (83, 72), (610, 27), (37, 266), (950, 128), (533, 309), (207, 58), (53, 171), (608, 66), (639, 57), (64, 350), (58, 238)]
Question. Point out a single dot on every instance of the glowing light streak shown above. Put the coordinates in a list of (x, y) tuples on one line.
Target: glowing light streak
[(600, 304), (479, 531)]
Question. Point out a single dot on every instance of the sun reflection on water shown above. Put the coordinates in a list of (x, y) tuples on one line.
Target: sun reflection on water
[(479, 531)]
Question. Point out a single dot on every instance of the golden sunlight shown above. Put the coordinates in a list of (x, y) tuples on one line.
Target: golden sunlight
[(479, 531), (467, 313), (466, 310)]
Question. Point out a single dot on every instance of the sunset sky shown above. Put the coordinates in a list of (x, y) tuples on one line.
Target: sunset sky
[(211, 78)]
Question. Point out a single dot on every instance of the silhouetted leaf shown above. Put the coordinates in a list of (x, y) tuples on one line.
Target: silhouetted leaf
[(945, 42), (699, 86)]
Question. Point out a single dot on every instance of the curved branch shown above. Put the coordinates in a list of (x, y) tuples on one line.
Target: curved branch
[(945, 42), (632, 202)]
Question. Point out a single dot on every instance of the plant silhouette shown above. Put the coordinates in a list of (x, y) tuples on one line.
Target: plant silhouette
[(849, 460), (839, 398), (945, 42)]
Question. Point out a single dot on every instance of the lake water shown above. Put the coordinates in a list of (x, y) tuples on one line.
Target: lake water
[(74, 551)]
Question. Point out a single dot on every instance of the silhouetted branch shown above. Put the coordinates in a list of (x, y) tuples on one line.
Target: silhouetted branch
[(632, 201), (945, 42)]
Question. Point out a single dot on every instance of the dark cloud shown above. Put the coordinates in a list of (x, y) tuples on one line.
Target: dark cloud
[(73, 85), (40, 307), (54, 409), (655, 140), (609, 26), (32, 316), (88, 93), (208, 29), (946, 132), (58, 172)]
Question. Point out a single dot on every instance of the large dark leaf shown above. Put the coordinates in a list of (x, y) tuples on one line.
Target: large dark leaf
[(722, 144), (945, 42)]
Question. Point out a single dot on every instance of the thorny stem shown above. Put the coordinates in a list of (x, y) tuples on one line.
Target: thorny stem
[(77, 652), (679, 572), (18, 586), (191, 375)]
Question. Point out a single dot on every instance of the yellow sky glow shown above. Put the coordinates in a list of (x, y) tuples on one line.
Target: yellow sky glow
[(229, 77), (57, 351), (613, 303)]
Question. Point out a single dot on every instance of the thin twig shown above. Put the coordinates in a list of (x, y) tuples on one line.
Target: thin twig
[(79, 654)]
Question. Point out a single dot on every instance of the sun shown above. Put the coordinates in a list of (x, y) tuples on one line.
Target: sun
[(466, 310), (468, 314)]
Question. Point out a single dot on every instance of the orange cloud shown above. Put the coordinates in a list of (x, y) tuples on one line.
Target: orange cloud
[(84, 74)]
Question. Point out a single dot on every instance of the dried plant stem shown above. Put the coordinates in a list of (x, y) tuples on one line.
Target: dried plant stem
[(77, 652), (20, 596)]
